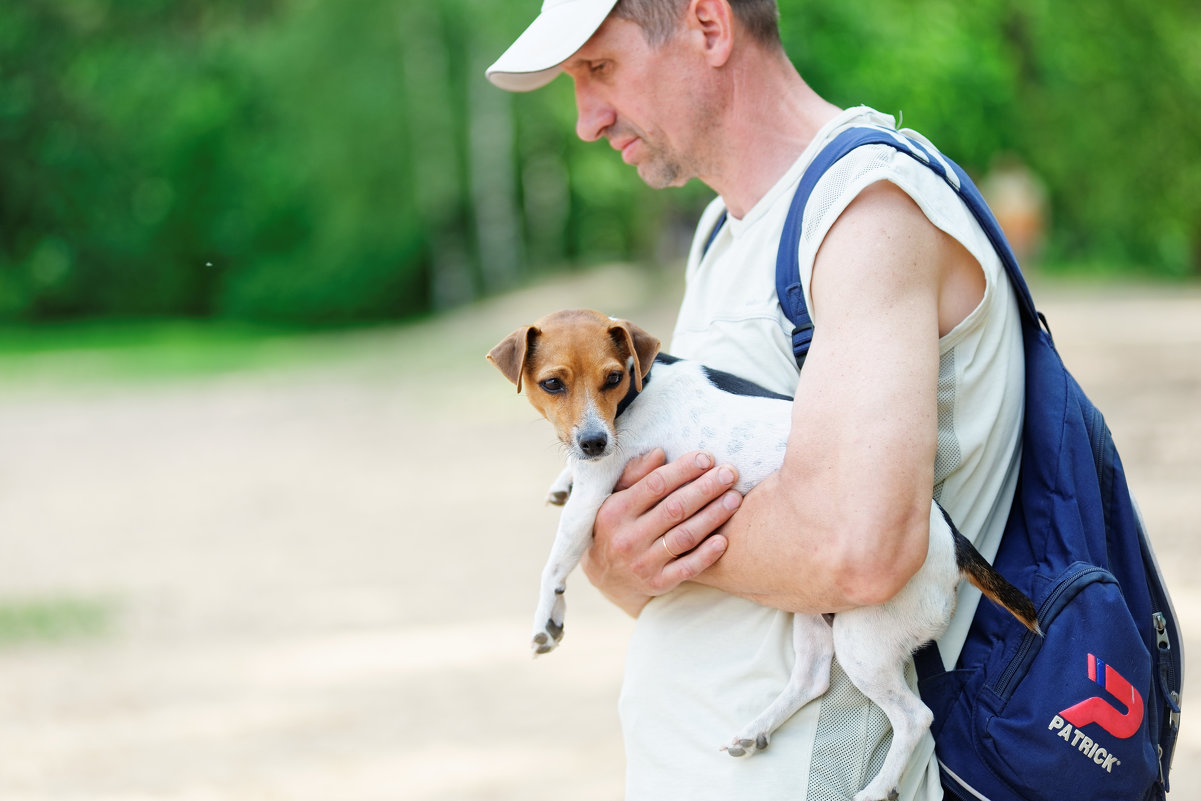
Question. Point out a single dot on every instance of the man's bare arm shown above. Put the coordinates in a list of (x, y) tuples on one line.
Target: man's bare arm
[(844, 522)]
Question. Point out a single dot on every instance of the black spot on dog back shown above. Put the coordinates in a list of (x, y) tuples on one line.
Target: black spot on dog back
[(728, 382)]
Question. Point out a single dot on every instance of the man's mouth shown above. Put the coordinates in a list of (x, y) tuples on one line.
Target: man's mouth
[(626, 146)]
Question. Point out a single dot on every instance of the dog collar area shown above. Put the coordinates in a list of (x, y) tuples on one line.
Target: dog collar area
[(632, 392)]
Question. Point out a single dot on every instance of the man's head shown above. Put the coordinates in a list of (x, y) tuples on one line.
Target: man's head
[(563, 27), (648, 73)]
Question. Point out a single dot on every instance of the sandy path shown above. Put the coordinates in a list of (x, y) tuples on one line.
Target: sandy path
[(320, 578)]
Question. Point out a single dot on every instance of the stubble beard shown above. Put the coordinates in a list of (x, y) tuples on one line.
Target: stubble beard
[(661, 171), (659, 167), (664, 167)]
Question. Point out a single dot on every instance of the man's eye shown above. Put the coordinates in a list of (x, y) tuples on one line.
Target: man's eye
[(614, 379), (552, 385), (598, 67)]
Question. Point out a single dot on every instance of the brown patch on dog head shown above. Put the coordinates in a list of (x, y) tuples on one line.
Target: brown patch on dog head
[(510, 353), (638, 344)]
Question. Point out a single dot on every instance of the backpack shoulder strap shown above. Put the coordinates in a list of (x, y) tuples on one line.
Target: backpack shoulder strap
[(721, 220), (788, 268)]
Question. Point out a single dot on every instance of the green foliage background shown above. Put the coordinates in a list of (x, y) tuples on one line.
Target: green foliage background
[(304, 162)]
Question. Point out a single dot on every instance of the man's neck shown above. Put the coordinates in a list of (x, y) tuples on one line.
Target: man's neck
[(772, 117)]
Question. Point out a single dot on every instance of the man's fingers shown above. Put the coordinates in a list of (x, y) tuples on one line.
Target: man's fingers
[(664, 485), (697, 527), (687, 502), (692, 564), (640, 467), (660, 531)]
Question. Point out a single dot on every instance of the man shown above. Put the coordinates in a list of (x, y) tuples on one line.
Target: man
[(912, 388)]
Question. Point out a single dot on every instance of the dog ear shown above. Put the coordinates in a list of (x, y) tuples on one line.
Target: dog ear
[(641, 345), (509, 356)]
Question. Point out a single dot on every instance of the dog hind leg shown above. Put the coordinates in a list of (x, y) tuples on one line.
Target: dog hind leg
[(876, 665), (814, 646)]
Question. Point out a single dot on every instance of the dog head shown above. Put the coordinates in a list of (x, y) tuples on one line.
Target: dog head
[(577, 366)]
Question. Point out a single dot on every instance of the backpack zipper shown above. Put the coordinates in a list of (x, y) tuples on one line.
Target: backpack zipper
[(1003, 687)]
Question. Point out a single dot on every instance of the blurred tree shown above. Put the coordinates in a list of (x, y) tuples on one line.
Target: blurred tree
[(322, 163), (1103, 102)]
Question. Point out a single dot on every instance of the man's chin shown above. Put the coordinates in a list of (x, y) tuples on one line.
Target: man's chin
[(661, 176)]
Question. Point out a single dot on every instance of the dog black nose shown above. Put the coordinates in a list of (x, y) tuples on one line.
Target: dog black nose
[(593, 444)]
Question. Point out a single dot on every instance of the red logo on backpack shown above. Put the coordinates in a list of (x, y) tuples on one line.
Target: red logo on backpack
[(1097, 710)]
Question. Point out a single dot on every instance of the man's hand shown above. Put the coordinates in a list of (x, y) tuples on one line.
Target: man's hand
[(657, 528)]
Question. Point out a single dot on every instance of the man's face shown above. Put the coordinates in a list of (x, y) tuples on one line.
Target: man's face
[(640, 98)]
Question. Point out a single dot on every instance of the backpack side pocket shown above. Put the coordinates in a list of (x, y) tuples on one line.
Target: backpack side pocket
[(1067, 716)]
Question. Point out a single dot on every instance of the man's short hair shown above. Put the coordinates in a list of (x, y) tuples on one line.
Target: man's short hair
[(660, 18)]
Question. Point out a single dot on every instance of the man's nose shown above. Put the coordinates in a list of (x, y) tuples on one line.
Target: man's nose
[(594, 114)]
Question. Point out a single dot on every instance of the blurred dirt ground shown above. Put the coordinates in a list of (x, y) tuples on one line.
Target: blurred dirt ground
[(317, 579)]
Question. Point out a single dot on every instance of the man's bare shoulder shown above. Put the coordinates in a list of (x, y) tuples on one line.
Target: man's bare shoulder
[(884, 249)]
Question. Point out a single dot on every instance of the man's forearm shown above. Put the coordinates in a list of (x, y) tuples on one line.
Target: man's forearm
[(780, 556)]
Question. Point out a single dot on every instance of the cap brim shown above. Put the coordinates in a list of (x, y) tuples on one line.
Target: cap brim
[(553, 37)]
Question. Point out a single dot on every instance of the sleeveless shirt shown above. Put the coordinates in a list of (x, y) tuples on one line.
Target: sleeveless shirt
[(702, 663)]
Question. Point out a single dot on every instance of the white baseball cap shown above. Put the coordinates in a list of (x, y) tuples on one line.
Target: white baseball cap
[(560, 29)]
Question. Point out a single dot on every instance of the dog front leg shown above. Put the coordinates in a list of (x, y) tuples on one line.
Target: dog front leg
[(560, 489), (573, 537)]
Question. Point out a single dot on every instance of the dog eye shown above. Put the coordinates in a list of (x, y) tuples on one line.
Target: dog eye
[(614, 378), (552, 385)]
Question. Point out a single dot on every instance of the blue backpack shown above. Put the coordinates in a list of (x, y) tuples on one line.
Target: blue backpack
[(1091, 709)]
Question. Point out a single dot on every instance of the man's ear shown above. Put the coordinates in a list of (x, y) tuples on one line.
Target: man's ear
[(714, 19), (638, 344), (510, 354)]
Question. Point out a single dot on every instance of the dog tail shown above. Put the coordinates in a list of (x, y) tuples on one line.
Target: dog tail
[(976, 569)]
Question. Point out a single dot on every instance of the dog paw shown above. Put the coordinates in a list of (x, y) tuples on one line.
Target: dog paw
[(747, 746), (547, 638), (560, 490)]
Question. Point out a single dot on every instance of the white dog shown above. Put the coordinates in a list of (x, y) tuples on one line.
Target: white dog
[(610, 397)]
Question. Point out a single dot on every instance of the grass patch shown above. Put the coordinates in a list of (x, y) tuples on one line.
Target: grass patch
[(53, 620), (152, 350)]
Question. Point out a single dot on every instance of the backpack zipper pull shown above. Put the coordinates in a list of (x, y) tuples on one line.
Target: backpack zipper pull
[(1164, 643)]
